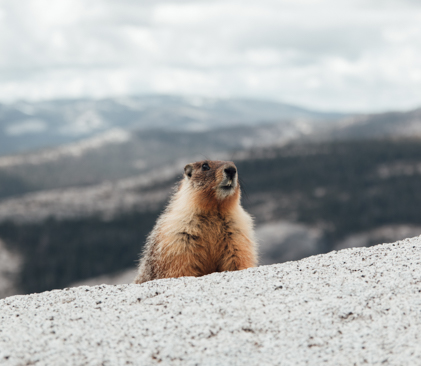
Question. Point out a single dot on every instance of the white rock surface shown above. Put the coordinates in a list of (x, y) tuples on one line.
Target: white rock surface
[(355, 306)]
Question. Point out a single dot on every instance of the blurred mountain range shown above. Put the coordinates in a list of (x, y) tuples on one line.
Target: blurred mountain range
[(313, 181), (25, 126), (118, 154), (383, 125)]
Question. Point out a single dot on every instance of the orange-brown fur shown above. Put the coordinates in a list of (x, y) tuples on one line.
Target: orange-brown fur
[(204, 229)]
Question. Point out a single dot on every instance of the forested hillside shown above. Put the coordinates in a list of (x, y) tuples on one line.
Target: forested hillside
[(344, 187), (341, 188)]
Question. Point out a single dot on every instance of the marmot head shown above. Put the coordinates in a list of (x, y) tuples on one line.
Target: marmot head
[(214, 181)]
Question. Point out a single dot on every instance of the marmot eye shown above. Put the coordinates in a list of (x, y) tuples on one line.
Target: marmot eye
[(205, 166)]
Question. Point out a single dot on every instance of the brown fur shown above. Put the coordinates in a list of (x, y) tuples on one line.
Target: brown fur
[(204, 229)]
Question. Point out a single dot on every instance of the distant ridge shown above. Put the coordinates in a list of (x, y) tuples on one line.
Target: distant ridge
[(32, 125), (390, 124)]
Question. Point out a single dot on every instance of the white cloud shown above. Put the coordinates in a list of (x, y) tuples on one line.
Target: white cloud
[(360, 55)]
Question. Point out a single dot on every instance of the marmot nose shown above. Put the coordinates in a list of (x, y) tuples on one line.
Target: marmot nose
[(230, 172)]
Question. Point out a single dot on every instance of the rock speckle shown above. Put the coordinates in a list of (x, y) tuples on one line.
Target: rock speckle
[(354, 306)]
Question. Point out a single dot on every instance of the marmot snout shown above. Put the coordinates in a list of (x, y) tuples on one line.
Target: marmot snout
[(204, 228)]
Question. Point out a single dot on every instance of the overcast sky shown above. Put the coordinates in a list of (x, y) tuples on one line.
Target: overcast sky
[(354, 55)]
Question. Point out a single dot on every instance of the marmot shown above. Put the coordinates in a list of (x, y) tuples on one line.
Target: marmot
[(204, 228)]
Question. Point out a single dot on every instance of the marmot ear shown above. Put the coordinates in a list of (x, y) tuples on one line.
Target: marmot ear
[(188, 169)]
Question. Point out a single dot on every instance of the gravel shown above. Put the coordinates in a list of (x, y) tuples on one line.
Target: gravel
[(355, 306)]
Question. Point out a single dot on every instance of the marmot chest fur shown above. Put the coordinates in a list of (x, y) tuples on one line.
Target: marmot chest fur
[(204, 228)]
